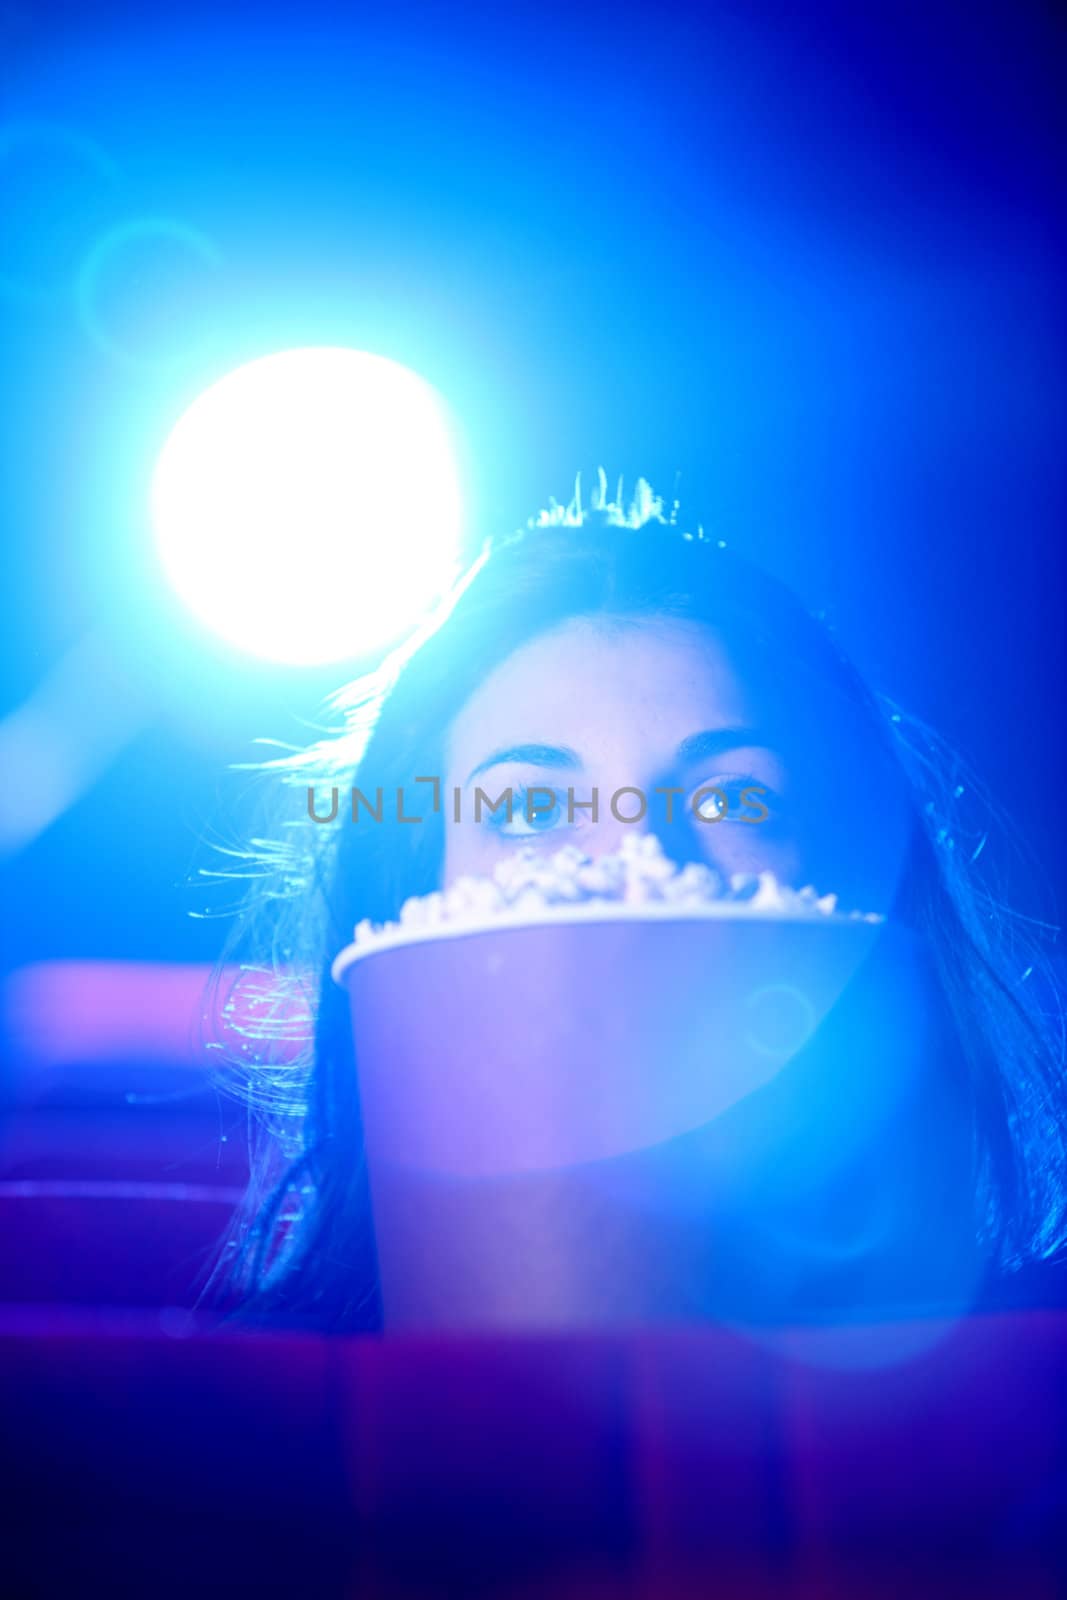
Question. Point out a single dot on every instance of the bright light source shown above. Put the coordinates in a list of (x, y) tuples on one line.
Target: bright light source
[(307, 506)]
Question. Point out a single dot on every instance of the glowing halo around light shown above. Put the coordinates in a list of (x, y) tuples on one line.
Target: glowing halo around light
[(307, 506)]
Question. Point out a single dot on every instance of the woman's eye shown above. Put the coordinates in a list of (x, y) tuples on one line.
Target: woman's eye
[(531, 813), (733, 799)]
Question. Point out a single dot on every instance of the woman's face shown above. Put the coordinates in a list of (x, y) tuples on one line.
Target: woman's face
[(657, 707)]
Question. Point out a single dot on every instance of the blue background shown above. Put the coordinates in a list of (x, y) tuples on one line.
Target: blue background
[(805, 263)]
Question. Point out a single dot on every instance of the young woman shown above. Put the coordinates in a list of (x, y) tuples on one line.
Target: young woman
[(606, 648)]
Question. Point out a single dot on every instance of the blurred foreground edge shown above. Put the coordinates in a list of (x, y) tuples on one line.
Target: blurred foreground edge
[(149, 1454)]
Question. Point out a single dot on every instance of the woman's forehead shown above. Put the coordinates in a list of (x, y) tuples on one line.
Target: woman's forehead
[(587, 679)]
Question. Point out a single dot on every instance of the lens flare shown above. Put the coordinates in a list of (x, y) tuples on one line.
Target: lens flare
[(307, 506)]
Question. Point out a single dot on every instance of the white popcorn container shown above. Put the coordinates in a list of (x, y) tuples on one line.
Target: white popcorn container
[(554, 1109)]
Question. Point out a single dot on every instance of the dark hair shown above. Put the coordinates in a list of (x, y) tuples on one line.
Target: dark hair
[(301, 1246)]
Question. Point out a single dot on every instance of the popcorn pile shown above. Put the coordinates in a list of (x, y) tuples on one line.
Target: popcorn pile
[(638, 876)]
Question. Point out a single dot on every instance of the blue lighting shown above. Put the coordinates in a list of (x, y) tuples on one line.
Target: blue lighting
[(307, 506)]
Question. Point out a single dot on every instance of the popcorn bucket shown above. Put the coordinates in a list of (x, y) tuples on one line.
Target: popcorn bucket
[(553, 1108)]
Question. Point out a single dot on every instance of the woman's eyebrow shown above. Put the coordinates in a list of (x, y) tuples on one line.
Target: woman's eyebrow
[(714, 741), (534, 755)]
